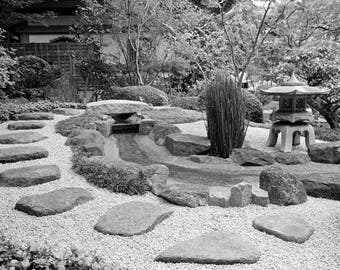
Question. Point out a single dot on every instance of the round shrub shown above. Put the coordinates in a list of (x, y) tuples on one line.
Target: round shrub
[(254, 109), (147, 94), (188, 103)]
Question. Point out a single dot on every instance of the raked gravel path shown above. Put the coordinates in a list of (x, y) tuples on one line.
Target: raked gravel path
[(75, 227)]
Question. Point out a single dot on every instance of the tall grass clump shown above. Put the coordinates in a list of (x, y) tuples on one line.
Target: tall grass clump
[(225, 109)]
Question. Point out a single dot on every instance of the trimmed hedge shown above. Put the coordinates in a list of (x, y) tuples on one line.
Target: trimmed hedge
[(188, 103), (254, 109), (9, 108), (327, 134), (14, 257), (147, 94), (112, 178), (84, 121)]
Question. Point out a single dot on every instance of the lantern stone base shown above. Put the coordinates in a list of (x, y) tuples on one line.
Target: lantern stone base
[(290, 135)]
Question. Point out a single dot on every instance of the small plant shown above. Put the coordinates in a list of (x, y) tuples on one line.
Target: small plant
[(254, 109), (225, 108)]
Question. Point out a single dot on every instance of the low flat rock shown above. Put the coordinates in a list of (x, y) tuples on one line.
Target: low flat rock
[(115, 107), (291, 158), (325, 152), (25, 125), (132, 218), (259, 197), (53, 202), (186, 194), (19, 153), (212, 248), (35, 116), (21, 137), (251, 157), (186, 144), (322, 185), (66, 111), (288, 228), (29, 176)]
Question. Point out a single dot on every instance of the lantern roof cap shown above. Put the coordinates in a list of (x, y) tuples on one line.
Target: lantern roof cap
[(294, 87)]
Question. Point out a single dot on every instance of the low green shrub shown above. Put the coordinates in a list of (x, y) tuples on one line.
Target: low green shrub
[(111, 178), (84, 121), (327, 134), (9, 108), (188, 103), (147, 94), (254, 109), (14, 257)]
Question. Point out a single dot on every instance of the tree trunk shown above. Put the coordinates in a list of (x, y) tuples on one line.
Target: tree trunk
[(326, 111)]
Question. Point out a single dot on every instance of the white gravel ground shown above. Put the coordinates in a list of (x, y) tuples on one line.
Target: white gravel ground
[(75, 227)]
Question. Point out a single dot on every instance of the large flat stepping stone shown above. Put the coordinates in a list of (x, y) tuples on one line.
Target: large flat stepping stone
[(29, 176), (53, 202), (132, 218), (21, 137), (212, 248), (19, 153), (186, 144), (25, 125), (35, 116), (288, 228)]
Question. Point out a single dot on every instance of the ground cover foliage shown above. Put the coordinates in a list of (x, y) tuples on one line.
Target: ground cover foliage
[(9, 108), (27, 257)]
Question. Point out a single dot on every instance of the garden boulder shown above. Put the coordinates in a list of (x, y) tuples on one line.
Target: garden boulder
[(91, 141), (325, 152), (286, 227), (212, 248), (251, 157), (322, 185), (132, 218), (186, 144), (283, 188), (240, 194), (291, 158), (161, 130)]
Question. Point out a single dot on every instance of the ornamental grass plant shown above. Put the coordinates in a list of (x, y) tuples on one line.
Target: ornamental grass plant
[(225, 109)]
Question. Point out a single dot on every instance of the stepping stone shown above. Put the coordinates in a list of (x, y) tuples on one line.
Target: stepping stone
[(54, 202), (35, 116), (66, 111), (212, 248), (251, 157), (21, 137), (132, 218), (19, 153), (288, 228), (29, 176), (25, 125)]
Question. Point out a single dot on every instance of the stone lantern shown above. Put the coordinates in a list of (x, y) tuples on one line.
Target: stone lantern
[(292, 119)]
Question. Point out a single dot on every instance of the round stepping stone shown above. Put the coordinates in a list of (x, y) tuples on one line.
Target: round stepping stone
[(19, 153), (288, 228), (28, 176), (53, 202), (25, 125), (132, 218), (21, 137), (212, 248), (35, 116)]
